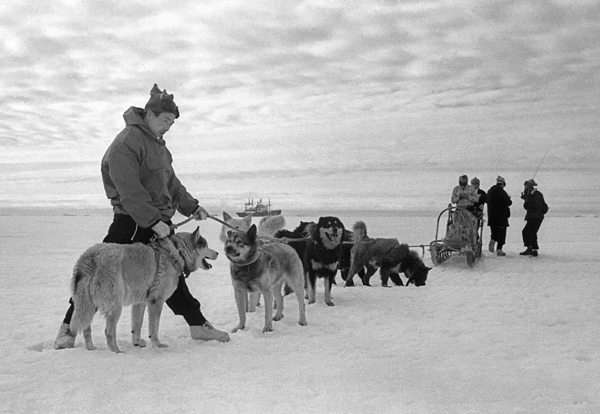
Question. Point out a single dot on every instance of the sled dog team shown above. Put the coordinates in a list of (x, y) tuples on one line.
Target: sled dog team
[(143, 264), (263, 260)]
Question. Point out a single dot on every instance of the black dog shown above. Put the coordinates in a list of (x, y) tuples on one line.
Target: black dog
[(300, 232), (323, 254), (389, 256)]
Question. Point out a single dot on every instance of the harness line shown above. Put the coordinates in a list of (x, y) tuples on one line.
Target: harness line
[(273, 239)]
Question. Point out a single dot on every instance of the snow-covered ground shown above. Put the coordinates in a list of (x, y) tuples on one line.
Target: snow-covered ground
[(512, 335)]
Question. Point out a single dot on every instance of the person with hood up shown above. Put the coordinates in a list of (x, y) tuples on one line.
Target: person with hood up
[(536, 208), (464, 195), (498, 202), (145, 193)]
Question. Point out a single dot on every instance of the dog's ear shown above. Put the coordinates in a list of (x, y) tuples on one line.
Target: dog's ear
[(229, 233), (252, 233), (196, 235), (226, 216)]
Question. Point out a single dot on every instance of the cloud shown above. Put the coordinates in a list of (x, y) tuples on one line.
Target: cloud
[(287, 76)]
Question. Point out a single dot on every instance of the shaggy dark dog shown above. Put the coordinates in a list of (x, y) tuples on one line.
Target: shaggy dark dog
[(387, 255), (300, 232), (323, 254)]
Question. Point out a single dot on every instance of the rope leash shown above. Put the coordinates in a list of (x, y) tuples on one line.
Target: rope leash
[(273, 239), (285, 240), (187, 220), (421, 246)]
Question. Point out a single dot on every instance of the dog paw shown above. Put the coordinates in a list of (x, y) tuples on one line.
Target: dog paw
[(277, 317), (330, 303), (237, 328), (139, 343), (267, 329)]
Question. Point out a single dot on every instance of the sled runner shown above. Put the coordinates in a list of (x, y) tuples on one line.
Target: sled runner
[(464, 235)]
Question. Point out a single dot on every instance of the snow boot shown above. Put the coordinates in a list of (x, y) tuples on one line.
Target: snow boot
[(65, 338), (492, 245), (528, 252), (534, 253), (207, 332)]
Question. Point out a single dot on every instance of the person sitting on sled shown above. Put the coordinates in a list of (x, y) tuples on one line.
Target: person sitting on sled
[(465, 195)]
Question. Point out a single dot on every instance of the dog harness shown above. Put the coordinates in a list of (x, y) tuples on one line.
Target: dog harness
[(179, 267)]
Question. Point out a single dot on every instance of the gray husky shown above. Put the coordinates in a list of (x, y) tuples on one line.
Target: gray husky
[(109, 276), (263, 267), (266, 228)]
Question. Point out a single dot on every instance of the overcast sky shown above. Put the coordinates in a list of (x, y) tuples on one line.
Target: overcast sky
[(326, 85)]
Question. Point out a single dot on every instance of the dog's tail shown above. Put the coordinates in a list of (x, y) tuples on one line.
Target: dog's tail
[(269, 225), (360, 231), (81, 294), (356, 253)]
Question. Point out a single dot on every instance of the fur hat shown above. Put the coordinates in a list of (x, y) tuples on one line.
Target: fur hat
[(463, 179), (530, 183), (161, 101), (475, 180), (500, 179)]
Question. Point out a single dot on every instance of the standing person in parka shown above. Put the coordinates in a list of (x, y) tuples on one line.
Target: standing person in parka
[(536, 208), (498, 202), (145, 193)]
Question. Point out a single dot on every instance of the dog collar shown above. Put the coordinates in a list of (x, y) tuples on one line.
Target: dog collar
[(252, 261)]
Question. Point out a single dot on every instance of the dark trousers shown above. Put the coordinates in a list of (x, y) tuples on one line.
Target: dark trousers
[(530, 231), (499, 235), (124, 230)]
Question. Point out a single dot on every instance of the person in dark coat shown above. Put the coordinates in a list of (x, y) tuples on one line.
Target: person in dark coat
[(498, 202), (536, 208)]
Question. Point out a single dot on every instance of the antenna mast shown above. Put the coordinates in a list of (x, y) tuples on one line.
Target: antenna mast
[(538, 168)]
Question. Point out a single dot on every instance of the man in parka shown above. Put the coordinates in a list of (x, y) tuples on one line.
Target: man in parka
[(536, 207), (499, 203), (145, 193)]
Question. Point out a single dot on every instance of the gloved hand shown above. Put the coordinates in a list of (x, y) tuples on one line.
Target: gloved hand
[(161, 229), (200, 213)]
